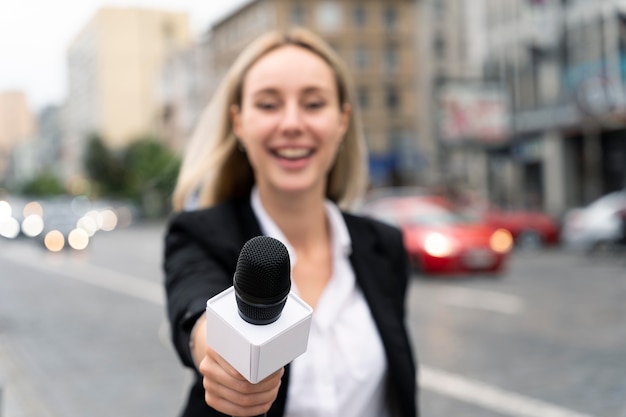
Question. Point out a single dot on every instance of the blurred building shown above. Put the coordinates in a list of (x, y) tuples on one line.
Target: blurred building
[(461, 114), (377, 40), (564, 65), (114, 67), (17, 125), (50, 139), (187, 81)]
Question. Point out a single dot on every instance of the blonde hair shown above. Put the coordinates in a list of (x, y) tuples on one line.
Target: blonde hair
[(214, 169)]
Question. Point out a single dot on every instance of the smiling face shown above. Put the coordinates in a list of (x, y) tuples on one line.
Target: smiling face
[(290, 121)]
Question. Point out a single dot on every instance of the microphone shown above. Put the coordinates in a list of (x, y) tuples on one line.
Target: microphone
[(262, 280), (259, 325)]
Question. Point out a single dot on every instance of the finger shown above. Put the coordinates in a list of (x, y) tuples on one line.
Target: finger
[(234, 403), (266, 384), (227, 367), (236, 410)]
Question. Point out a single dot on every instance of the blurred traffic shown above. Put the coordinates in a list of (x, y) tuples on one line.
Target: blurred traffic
[(59, 223), (597, 226), (437, 239)]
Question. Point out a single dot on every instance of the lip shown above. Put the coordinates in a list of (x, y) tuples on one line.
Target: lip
[(292, 152), (293, 157)]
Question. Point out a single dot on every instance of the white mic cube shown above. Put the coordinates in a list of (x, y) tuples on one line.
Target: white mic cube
[(256, 351)]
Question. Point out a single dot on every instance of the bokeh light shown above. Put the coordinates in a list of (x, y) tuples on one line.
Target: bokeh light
[(54, 241), (5, 211), (501, 241), (78, 239), (32, 208), (88, 224), (109, 220), (9, 228), (32, 225)]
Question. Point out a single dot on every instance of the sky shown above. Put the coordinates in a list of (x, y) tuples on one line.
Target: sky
[(34, 35)]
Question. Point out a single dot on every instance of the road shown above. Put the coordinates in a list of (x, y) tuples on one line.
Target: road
[(82, 334)]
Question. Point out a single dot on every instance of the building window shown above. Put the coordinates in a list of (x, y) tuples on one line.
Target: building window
[(363, 97), (439, 7), (391, 17), (392, 98), (359, 15), (361, 57), (298, 15), (328, 16), (439, 46), (391, 58)]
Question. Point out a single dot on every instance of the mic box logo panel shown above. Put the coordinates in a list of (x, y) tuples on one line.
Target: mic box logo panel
[(256, 351)]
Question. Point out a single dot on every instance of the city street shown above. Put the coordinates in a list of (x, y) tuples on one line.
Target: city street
[(82, 334)]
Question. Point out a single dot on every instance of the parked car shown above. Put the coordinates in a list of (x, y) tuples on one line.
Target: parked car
[(529, 228), (440, 241), (596, 225)]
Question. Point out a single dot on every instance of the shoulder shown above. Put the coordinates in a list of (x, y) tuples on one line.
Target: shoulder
[(361, 224), (230, 221), (218, 216)]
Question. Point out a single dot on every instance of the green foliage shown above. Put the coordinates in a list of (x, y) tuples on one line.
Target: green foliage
[(144, 172), (105, 169), (44, 184)]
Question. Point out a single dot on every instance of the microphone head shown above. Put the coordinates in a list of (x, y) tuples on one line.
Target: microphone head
[(262, 280)]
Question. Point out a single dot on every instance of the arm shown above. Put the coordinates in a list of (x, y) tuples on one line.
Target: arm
[(199, 263)]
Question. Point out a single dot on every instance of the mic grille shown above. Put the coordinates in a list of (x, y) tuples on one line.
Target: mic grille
[(262, 279)]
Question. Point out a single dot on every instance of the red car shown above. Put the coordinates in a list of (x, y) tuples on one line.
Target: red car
[(529, 228), (440, 241)]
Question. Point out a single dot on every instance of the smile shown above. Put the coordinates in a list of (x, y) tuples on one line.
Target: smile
[(293, 153)]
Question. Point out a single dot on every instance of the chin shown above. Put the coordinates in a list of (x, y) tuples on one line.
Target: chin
[(296, 188)]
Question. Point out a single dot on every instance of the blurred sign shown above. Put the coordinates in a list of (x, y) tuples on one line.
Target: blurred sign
[(473, 111)]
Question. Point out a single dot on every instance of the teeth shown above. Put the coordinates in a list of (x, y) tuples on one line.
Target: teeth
[(293, 153)]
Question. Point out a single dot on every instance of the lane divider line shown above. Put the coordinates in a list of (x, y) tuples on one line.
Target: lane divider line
[(99, 277), (482, 300), (435, 380), (488, 396)]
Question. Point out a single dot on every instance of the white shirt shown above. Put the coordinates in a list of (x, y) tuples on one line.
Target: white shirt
[(343, 371)]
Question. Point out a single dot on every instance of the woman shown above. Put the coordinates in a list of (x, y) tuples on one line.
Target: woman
[(279, 152)]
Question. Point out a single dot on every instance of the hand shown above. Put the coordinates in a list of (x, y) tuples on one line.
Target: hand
[(227, 391)]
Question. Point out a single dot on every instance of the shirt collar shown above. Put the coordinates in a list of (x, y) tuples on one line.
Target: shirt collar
[(339, 231)]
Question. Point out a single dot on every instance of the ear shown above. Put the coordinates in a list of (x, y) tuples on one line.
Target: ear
[(235, 119), (344, 122)]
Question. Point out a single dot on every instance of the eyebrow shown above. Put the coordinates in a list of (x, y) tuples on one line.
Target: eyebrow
[(276, 91)]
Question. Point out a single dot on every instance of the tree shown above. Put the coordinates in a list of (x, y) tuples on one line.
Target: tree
[(152, 170), (44, 184), (144, 172), (105, 169)]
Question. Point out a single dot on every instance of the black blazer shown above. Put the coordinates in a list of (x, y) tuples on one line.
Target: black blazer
[(201, 252)]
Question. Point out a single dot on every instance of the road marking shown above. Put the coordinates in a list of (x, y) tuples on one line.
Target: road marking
[(481, 300), (489, 397), (97, 276), (441, 382)]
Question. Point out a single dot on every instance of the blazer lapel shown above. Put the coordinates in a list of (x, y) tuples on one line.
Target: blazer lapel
[(372, 270)]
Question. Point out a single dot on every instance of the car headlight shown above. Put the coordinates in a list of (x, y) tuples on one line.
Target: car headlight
[(78, 239), (439, 245), (5, 211), (32, 225), (54, 241), (501, 241), (9, 228)]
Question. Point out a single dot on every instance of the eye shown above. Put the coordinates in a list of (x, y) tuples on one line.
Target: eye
[(314, 105), (266, 105)]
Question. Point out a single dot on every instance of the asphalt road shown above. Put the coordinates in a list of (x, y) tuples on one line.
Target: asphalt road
[(82, 334)]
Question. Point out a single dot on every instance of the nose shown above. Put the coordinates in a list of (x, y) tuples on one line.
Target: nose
[(291, 123)]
